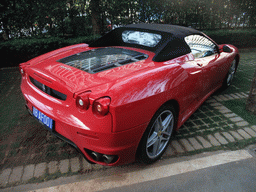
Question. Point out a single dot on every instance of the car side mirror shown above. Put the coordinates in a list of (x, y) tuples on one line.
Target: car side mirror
[(224, 48)]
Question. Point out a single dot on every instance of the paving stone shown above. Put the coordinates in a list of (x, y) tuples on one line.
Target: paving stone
[(246, 95), (253, 127), (220, 138), (186, 144), (228, 136), (223, 97), (235, 96), (52, 167), (75, 164), (205, 143), (97, 167), (236, 119), (220, 107), (213, 140), (64, 166), (217, 98), (239, 95), (244, 134), (236, 135), (242, 123), (250, 131), (177, 146), (40, 169), (210, 100), (223, 109), (86, 166), (16, 174), (195, 143), (215, 104), (28, 172), (4, 176), (229, 96), (169, 151), (230, 115)]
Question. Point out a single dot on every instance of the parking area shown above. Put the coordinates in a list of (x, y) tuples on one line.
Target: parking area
[(29, 153)]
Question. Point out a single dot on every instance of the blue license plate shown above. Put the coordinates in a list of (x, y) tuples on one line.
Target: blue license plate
[(45, 120)]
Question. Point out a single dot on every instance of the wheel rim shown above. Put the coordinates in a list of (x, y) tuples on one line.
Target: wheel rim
[(160, 134), (231, 73)]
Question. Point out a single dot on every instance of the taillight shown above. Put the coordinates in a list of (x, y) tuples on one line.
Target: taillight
[(101, 106), (22, 68), (82, 100)]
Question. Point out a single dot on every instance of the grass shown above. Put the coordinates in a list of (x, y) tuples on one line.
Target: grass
[(238, 107), (244, 75)]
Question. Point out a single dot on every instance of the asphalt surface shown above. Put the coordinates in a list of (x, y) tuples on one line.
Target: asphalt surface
[(236, 176)]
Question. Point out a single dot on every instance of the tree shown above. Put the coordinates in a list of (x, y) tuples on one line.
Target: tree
[(251, 102), (96, 13)]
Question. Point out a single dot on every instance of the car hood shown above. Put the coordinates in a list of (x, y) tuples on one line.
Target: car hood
[(49, 68)]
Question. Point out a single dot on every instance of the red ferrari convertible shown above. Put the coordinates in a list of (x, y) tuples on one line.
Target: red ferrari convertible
[(121, 97)]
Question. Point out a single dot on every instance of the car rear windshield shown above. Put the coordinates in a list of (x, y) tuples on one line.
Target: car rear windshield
[(101, 59), (141, 38)]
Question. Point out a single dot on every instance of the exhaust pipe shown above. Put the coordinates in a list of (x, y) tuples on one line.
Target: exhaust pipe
[(96, 156), (108, 158)]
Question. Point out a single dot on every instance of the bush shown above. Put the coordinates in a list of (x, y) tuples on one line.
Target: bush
[(241, 38), (20, 50)]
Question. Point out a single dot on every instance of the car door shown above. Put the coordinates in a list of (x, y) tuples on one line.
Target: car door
[(208, 58)]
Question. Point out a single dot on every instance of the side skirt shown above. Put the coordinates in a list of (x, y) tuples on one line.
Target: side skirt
[(193, 107)]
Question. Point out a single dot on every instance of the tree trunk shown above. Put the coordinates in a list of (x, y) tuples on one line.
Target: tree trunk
[(251, 102), (96, 20)]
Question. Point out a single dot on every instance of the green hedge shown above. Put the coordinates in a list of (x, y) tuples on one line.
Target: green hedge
[(241, 38), (20, 50)]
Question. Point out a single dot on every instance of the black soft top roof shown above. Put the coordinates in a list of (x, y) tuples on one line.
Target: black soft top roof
[(171, 45)]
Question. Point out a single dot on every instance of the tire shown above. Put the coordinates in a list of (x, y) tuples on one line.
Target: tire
[(157, 136), (230, 75)]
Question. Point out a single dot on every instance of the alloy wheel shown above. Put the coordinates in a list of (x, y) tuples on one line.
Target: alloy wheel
[(160, 134), (231, 73)]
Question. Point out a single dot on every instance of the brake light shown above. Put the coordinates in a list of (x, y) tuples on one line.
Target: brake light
[(22, 68), (101, 106), (82, 100)]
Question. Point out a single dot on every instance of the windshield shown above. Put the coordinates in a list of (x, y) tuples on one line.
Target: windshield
[(101, 59)]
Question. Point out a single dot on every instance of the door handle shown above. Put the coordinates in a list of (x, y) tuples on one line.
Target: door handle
[(200, 65)]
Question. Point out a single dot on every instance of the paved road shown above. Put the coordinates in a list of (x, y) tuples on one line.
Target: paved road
[(236, 176)]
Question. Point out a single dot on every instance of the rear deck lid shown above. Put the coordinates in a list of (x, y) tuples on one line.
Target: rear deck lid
[(101, 59), (80, 70)]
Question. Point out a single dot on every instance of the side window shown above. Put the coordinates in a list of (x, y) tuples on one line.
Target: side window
[(200, 46)]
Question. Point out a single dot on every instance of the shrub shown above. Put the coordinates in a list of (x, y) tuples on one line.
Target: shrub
[(20, 50), (241, 38)]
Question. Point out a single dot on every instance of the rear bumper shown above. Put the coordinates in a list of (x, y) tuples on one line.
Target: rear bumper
[(85, 136), (53, 132), (113, 144)]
